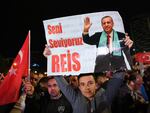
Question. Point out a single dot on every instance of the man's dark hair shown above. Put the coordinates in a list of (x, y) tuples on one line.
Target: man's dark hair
[(85, 74), (43, 80), (50, 77), (132, 75)]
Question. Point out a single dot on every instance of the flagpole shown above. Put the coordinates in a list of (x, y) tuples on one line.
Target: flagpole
[(29, 56)]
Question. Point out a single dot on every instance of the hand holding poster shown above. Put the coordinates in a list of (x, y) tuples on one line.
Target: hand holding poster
[(71, 54)]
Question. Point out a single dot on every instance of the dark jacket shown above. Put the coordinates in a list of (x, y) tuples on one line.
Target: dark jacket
[(128, 101), (43, 104)]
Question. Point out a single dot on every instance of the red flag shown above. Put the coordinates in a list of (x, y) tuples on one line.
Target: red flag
[(143, 57), (10, 87)]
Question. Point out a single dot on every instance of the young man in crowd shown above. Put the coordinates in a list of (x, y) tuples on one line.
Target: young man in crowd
[(51, 102)]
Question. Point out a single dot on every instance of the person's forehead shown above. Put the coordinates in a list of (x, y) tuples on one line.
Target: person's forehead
[(52, 81), (35, 75), (107, 19), (86, 78)]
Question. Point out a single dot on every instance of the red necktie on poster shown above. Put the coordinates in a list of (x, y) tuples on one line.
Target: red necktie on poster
[(108, 40)]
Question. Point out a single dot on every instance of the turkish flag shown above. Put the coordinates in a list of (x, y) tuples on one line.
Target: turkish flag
[(10, 87), (143, 57)]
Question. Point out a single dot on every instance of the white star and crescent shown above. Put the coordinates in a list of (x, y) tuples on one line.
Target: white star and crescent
[(21, 55), (13, 70), (147, 57)]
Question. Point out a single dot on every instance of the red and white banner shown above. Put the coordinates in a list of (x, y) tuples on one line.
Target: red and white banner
[(10, 87), (143, 57), (70, 55)]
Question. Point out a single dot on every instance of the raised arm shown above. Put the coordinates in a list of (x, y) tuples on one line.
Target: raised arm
[(67, 89)]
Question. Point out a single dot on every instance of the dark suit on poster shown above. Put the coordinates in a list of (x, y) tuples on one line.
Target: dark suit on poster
[(109, 62)]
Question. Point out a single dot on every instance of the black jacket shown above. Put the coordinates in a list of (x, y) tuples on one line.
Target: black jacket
[(43, 104)]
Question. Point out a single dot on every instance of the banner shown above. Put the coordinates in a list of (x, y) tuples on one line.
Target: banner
[(70, 55), (143, 57), (10, 87)]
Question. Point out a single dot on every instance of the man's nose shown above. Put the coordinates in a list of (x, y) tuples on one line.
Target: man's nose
[(87, 86)]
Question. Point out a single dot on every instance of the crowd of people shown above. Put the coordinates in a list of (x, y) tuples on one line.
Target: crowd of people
[(85, 93), (114, 86)]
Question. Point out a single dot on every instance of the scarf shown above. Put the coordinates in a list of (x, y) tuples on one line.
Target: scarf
[(115, 43)]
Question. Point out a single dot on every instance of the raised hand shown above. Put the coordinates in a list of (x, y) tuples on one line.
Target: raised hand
[(87, 24), (29, 89), (46, 51), (128, 41)]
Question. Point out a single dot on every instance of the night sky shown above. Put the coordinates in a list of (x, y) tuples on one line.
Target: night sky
[(20, 16)]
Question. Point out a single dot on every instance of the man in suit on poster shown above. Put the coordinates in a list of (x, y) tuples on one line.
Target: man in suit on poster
[(113, 47)]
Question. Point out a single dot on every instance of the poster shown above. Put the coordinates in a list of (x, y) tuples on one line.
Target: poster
[(70, 54)]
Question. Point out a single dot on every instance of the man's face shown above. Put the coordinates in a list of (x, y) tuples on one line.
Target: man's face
[(87, 86), (53, 88), (34, 79), (107, 24), (74, 81)]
